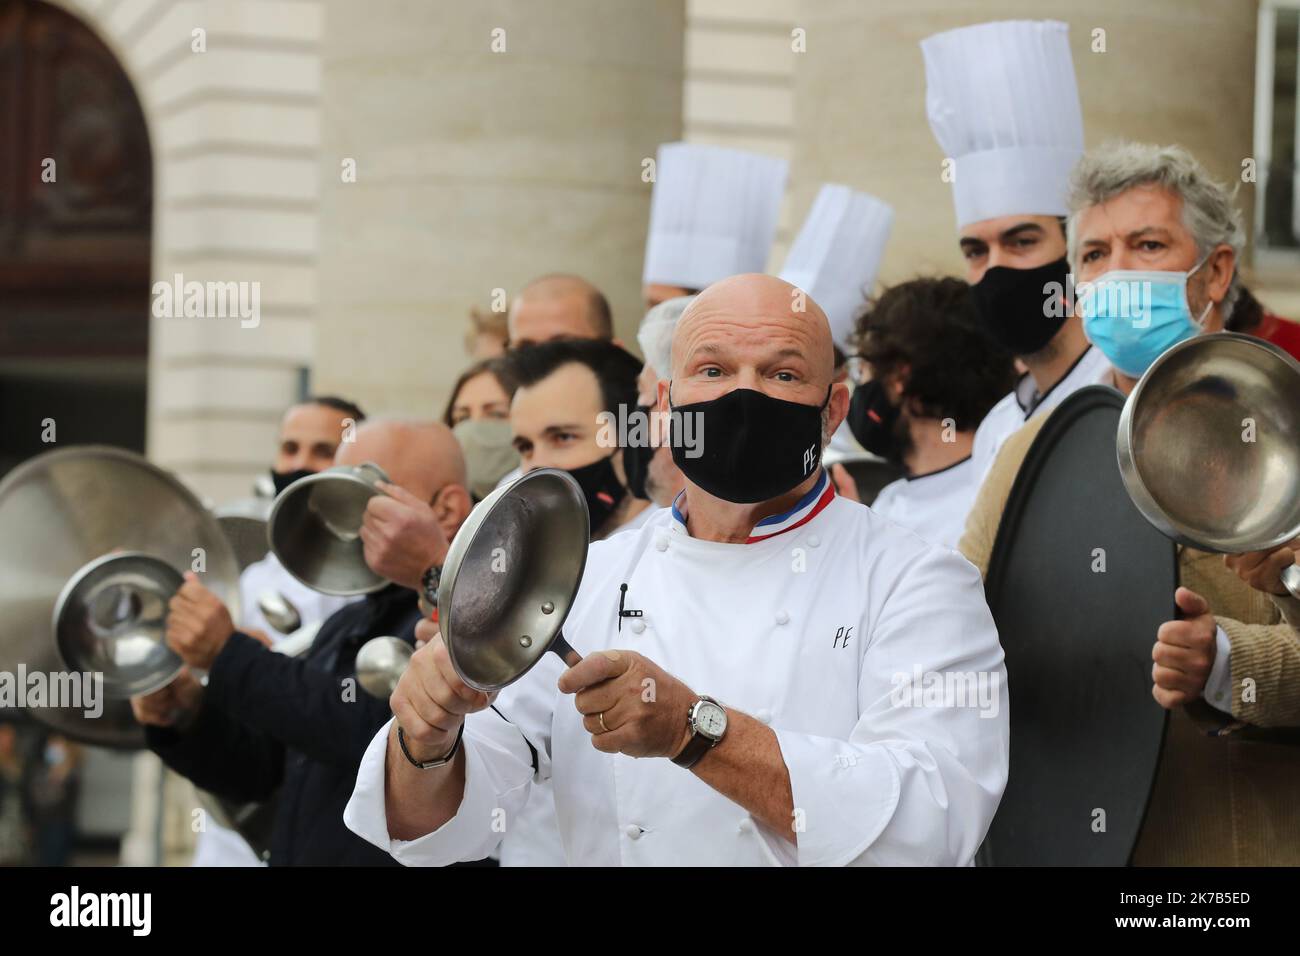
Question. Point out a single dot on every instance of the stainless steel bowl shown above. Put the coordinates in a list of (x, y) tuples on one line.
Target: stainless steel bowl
[(315, 529), (111, 618), (1209, 444)]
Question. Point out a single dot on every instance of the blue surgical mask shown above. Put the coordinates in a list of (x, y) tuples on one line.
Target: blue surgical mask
[(1135, 316)]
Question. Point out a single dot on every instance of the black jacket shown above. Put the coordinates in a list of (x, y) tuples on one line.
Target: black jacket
[(271, 721)]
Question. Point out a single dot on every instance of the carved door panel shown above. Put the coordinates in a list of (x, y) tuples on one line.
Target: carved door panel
[(76, 192)]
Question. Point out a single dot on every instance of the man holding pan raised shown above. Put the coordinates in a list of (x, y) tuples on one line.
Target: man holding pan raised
[(806, 683), (266, 721), (1154, 242)]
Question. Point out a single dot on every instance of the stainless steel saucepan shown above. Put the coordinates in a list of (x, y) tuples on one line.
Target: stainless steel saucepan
[(507, 585), (1209, 446)]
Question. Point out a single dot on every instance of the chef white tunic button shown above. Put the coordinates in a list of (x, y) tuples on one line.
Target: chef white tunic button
[(633, 831), (782, 617), (813, 541), (764, 715), (661, 542), (638, 627), (745, 826)]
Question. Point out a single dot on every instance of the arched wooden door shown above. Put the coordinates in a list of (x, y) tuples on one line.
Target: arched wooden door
[(76, 205)]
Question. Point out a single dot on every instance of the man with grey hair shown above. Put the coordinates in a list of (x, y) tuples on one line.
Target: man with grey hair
[(651, 473), (1139, 209), (1154, 241)]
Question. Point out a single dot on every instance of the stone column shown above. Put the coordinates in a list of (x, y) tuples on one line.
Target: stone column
[(492, 143)]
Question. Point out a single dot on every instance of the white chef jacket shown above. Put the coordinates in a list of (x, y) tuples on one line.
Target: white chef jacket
[(934, 505), (643, 517), (217, 845), (270, 575), (1023, 403), (534, 839), (809, 628)]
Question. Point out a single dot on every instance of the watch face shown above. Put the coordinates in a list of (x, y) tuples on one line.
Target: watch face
[(711, 719)]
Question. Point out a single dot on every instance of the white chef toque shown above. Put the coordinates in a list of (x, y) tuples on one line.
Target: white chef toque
[(713, 214), (837, 254), (1003, 104)]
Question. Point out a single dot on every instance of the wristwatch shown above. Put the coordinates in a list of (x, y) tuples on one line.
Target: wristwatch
[(429, 582), (430, 764), (708, 722)]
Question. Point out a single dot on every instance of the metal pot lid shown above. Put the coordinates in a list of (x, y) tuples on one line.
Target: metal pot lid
[(381, 663), (244, 523), (315, 529), (1207, 444), (511, 575), (111, 619), (63, 509)]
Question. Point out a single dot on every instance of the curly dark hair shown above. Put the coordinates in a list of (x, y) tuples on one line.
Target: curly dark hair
[(927, 332)]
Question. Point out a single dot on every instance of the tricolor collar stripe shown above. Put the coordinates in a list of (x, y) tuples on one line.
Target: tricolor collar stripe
[(795, 520), (807, 501), (679, 519), (807, 508)]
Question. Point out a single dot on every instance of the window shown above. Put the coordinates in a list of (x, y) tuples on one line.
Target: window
[(1277, 130)]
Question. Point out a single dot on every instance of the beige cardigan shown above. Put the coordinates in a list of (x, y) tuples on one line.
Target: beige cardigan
[(1228, 789)]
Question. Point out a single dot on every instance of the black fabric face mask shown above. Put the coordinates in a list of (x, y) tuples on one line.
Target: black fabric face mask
[(636, 460), (873, 419), (601, 488), (1014, 305), (751, 447), (283, 479)]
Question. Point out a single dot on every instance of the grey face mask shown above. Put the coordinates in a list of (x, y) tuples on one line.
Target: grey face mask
[(489, 455)]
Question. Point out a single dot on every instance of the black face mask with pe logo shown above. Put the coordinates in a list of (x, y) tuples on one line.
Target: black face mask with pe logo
[(749, 447)]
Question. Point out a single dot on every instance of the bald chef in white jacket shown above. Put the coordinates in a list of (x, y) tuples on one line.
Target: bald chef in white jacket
[(808, 684)]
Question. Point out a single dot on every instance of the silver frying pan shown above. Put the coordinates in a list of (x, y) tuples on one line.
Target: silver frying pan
[(1209, 446), (507, 586)]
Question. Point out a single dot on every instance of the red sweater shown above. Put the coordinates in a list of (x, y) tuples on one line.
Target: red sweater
[(1282, 333)]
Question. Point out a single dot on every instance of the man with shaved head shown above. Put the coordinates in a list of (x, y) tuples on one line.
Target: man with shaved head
[(266, 722), (770, 674), (558, 307)]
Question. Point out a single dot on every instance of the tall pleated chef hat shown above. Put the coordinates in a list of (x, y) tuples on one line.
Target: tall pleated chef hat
[(837, 253), (1003, 104), (713, 214), (655, 336)]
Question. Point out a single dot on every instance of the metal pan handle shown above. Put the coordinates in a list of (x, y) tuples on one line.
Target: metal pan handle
[(565, 650)]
